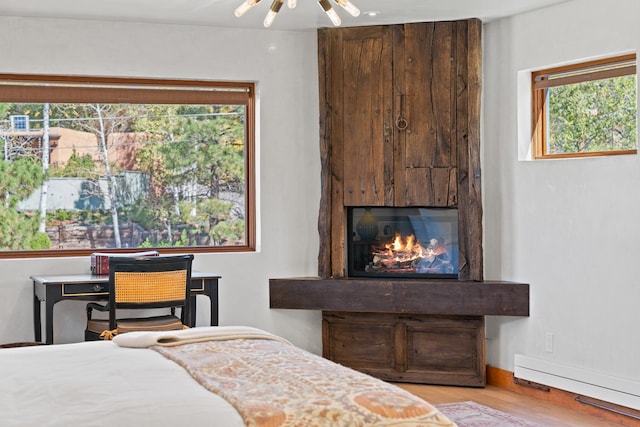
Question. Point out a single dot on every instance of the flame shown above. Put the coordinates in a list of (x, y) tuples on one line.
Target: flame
[(405, 250), (406, 254)]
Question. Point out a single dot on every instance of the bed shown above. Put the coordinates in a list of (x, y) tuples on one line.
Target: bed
[(208, 376)]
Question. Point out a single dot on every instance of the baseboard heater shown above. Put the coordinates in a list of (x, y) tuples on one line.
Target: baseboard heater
[(587, 383)]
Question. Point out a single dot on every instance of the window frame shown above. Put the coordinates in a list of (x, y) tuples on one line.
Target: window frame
[(541, 80), (31, 88)]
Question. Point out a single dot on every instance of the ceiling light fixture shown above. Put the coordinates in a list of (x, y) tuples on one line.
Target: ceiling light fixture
[(277, 4)]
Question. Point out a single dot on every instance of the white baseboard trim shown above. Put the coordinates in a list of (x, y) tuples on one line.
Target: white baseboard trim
[(591, 384)]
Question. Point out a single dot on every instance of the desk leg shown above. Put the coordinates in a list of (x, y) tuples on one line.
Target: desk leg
[(49, 302), (37, 321), (213, 298), (192, 302), (210, 289)]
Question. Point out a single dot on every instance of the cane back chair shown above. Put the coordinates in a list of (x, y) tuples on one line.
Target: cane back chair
[(142, 285)]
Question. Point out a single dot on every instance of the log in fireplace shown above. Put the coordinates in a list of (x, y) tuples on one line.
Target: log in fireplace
[(402, 242)]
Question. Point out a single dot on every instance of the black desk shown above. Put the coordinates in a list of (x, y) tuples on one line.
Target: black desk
[(87, 287)]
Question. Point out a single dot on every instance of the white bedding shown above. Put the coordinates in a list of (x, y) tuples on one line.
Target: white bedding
[(102, 384), (178, 378)]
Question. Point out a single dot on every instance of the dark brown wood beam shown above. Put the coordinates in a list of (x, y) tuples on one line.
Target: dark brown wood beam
[(446, 297)]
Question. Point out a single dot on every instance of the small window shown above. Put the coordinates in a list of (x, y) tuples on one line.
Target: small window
[(19, 122), (586, 109)]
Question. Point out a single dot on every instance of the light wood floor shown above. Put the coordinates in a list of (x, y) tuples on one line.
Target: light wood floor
[(526, 407)]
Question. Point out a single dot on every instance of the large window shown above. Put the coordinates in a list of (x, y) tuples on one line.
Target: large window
[(586, 109), (93, 164)]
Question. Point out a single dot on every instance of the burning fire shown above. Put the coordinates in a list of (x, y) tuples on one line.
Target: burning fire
[(405, 250), (406, 253)]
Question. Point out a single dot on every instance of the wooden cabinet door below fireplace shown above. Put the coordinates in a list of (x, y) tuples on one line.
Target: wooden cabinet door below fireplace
[(408, 348)]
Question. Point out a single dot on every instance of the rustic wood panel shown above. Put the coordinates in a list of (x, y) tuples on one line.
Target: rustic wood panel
[(474, 209), (427, 103), (338, 220), (450, 349), (417, 348), (468, 89), (452, 202), (401, 353), (428, 91), (431, 347), (335, 146), (462, 133), (324, 215), (399, 140), (435, 190), (366, 69), (361, 345), (453, 93), (446, 297), (389, 142)]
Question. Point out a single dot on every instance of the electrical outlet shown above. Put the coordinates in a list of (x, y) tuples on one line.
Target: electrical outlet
[(548, 342)]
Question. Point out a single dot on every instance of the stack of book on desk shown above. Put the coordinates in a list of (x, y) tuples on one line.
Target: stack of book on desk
[(100, 260)]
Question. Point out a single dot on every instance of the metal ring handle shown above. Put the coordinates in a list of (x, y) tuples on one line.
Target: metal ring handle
[(401, 123)]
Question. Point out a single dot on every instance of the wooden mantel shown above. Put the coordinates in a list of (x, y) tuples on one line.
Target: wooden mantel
[(444, 297)]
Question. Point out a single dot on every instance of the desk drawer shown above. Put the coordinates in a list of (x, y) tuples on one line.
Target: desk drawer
[(79, 289)]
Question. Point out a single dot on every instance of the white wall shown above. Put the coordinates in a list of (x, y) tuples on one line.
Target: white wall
[(284, 65), (570, 228)]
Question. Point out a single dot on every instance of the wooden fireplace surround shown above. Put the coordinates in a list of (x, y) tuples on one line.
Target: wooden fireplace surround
[(400, 126)]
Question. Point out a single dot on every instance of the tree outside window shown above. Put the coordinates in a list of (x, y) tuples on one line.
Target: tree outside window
[(586, 109)]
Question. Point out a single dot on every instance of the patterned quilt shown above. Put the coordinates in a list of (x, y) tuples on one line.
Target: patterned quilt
[(275, 384)]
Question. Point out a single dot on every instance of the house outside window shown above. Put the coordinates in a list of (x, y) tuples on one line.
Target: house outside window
[(585, 109), (124, 164)]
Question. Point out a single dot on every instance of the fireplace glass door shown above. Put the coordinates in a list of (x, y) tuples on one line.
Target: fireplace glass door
[(409, 242)]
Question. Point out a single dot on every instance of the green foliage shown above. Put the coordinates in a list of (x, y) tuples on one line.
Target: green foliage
[(203, 145), (161, 244), (40, 241), (30, 109), (77, 167), (147, 243), (192, 155), (184, 239), (152, 213), (4, 111), (232, 230), (61, 215), (97, 217), (15, 229), (199, 150), (216, 208), (593, 116), (19, 179)]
